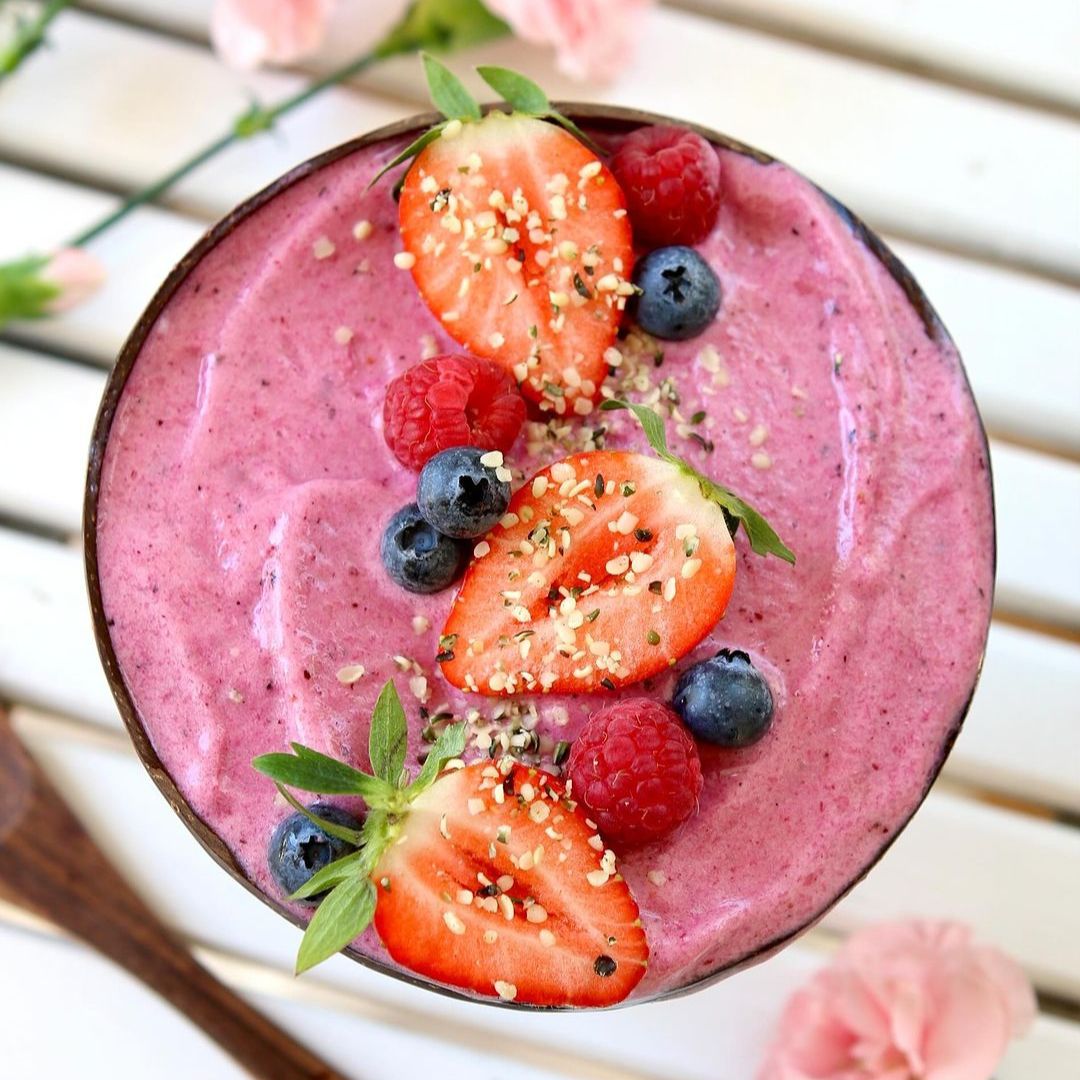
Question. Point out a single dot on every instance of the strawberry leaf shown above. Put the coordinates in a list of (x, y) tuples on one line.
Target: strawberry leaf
[(24, 294), (388, 738), (449, 744), (762, 536), (342, 916), (342, 832), (338, 871), (409, 152), (448, 92), (309, 770), (567, 124), (522, 94), (651, 423)]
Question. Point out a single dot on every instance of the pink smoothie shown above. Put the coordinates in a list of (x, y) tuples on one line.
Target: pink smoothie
[(246, 484)]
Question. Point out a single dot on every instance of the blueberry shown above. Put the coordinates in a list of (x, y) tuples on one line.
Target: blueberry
[(460, 495), (298, 848), (417, 556), (680, 295), (724, 700)]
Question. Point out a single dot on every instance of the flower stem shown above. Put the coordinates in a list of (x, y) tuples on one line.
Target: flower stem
[(256, 120), (29, 36)]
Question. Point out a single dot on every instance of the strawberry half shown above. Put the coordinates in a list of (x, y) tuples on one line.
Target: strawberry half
[(497, 884), (607, 568), (523, 251)]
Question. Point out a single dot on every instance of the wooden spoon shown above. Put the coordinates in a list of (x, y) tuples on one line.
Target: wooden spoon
[(50, 866)]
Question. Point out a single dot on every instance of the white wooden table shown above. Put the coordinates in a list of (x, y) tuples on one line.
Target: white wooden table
[(950, 126)]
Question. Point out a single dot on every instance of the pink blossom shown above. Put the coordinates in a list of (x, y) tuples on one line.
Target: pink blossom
[(904, 1001), (248, 33), (76, 273), (593, 39)]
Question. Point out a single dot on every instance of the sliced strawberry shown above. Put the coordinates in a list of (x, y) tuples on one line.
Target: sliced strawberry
[(523, 250), (608, 567), (497, 884)]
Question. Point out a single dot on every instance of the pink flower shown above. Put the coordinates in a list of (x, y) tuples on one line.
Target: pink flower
[(593, 39), (904, 1001), (248, 33), (76, 273)]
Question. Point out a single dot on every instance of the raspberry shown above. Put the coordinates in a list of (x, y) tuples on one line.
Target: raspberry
[(636, 770), (451, 400), (671, 178)]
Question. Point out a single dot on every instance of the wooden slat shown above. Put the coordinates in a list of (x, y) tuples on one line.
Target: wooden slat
[(47, 653), (1020, 339), (1010, 876), (38, 213), (47, 411), (1050, 1052), (116, 106), (1022, 737), (1038, 520), (914, 157), (1030, 55), (1033, 56), (104, 1007)]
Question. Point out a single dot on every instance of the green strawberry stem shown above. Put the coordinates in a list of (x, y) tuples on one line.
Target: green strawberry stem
[(349, 907), (452, 98), (29, 35), (762, 536)]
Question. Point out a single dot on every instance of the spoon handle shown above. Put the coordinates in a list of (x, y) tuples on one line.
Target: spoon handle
[(50, 865)]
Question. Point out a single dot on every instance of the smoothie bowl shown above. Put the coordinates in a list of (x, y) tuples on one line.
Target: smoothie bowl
[(429, 477)]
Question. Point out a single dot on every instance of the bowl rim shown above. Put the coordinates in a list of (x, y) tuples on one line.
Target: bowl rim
[(610, 119)]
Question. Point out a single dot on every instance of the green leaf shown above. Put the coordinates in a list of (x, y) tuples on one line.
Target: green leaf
[(342, 916), (342, 832), (525, 96), (448, 92), (762, 536), (338, 871), (443, 25), (449, 744), (650, 421), (569, 125), (388, 738), (255, 121), (24, 294), (522, 94), (309, 770), (409, 152)]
